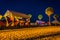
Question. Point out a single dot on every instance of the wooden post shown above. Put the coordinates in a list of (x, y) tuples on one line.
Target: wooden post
[(49, 21)]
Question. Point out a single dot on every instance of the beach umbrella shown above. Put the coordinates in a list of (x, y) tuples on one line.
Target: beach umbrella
[(40, 16), (30, 15), (49, 11), (55, 17)]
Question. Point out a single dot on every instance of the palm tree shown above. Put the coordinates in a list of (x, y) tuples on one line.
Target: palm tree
[(49, 11)]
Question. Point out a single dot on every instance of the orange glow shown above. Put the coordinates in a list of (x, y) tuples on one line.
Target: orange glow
[(21, 22), (27, 24), (29, 33)]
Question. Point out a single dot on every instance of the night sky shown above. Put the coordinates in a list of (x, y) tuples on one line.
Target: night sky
[(34, 7)]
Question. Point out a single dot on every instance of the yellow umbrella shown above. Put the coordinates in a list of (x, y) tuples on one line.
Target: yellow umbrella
[(49, 11)]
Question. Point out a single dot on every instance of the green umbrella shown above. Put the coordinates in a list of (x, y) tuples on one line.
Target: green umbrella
[(30, 15), (40, 16)]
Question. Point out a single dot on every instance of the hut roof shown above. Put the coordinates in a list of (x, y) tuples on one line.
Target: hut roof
[(18, 14)]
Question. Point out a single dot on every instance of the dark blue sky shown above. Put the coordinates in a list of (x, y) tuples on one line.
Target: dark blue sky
[(34, 7)]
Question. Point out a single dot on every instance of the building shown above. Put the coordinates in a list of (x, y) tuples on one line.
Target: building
[(13, 14), (17, 14)]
